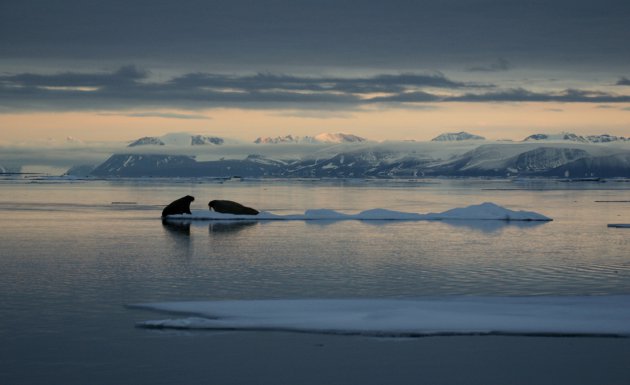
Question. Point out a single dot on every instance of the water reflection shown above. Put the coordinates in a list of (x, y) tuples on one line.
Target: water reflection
[(177, 228), (229, 226), (179, 242), (491, 226), (182, 228), (369, 222), (484, 226)]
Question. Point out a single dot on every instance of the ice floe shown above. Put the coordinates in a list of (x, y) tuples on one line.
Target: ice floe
[(484, 211), (585, 316)]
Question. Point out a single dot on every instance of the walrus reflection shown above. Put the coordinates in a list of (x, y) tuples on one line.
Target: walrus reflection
[(230, 226), (179, 206), (177, 228), (231, 207)]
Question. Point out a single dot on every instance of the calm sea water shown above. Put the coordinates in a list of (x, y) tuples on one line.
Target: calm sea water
[(74, 254)]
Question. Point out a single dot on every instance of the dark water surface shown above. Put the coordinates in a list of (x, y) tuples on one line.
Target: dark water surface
[(74, 254)]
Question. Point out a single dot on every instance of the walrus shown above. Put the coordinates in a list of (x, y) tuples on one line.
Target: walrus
[(230, 207), (179, 206)]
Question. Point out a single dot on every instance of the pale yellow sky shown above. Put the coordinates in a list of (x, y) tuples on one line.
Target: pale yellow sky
[(492, 120)]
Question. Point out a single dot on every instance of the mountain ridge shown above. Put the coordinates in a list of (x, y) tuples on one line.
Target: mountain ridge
[(322, 138), (177, 139), (456, 136), (383, 161)]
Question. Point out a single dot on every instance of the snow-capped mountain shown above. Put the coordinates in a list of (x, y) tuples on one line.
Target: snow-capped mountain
[(372, 163), (456, 136), (142, 164), (147, 141), (200, 140), (283, 139), (155, 165), (177, 139), (567, 136), (544, 158), (609, 166), (323, 138), (394, 160), (327, 137), (503, 160), (605, 138)]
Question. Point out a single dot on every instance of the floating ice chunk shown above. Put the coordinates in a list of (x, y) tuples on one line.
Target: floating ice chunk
[(325, 214), (596, 315), (382, 214), (487, 211), (484, 211)]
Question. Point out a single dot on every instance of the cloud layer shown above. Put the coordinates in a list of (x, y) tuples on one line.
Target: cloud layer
[(212, 51), (373, 34), (132, 88)]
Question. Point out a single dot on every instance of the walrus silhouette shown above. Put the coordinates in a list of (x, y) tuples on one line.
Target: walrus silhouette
[(231, 207), (179, 206)]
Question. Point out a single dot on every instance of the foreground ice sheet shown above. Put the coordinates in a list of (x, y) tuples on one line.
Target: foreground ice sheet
[(588, 316), (484, 211)]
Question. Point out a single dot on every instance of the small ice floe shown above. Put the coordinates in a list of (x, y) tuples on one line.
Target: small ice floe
[(620, 225), (553, 316), (484, 211), (488, 211)]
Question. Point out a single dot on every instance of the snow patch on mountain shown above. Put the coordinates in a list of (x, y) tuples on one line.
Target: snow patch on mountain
[(456, 136)]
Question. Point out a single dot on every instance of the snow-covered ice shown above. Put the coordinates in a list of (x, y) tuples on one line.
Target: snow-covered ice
[(588, 315), (488, 211), (484, 211)]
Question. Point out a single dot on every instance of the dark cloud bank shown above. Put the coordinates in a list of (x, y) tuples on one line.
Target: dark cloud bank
[(130, 87), (204, 41), (371, 33)]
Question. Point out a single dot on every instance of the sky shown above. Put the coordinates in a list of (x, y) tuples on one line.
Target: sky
[(98, 71)]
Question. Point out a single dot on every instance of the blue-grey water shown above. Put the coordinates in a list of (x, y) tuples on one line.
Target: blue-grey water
[(73, 254)]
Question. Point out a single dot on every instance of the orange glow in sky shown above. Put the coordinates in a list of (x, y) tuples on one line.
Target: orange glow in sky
[(492, 120)]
